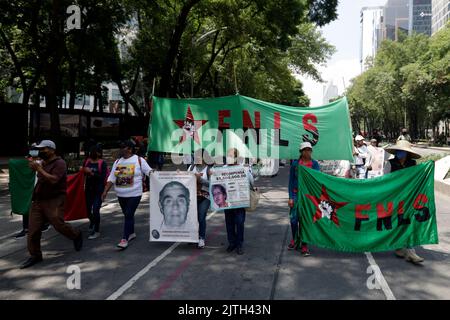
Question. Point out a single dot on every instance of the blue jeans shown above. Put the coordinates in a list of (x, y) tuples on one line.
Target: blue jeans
[(202, 209), (234, 220), (295, 223), (93, 204), (129, 206)]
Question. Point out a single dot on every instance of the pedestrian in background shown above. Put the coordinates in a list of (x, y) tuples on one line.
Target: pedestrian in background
[(95, 170), (361, 158)]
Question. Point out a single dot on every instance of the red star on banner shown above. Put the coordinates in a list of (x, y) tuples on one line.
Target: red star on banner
[(190, 126), (326, 208)]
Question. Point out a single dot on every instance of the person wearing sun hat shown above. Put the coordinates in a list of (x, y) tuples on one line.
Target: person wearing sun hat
[(305, 159), (404, 158)]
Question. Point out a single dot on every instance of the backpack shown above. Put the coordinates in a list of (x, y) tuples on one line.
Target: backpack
[(100, 164)]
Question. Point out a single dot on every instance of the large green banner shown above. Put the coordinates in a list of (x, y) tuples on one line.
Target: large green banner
[(266, 130), (385, 213), (21, 185)]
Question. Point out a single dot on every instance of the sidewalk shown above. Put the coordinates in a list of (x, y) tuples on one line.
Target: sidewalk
[(426, 146)]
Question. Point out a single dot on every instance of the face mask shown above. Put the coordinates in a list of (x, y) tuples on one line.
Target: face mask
[(401, 154), (34, 153)]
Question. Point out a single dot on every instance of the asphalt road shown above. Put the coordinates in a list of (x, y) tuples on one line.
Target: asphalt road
[(180, 271)]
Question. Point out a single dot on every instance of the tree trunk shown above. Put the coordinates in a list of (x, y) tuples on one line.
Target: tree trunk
[(166, 76)]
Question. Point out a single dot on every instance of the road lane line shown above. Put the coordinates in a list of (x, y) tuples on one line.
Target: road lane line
[(184, 265), (146, 269), (380, 278)]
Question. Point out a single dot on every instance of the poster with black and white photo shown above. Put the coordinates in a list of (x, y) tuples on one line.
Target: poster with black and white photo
[(229, 188), (173, 207)]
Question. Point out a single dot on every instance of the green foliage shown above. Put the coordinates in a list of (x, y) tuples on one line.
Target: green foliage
[(409, 78)]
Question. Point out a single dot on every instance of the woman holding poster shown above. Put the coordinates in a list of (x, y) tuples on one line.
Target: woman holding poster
[(235, 218)]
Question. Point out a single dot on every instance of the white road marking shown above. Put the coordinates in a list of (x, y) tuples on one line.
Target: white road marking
[(380, 278), (146, 269)]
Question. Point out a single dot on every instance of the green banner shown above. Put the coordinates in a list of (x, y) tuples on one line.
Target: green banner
[(263, 129), (21, 185), (385, 213)]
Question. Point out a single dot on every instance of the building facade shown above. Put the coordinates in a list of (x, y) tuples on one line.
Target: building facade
[(371, 33), (420, 17), (440, 14)]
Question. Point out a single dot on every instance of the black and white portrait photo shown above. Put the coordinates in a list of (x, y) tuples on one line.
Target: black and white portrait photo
[(173, 209)]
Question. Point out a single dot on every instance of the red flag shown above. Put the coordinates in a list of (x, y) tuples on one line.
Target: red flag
[(75, 208)]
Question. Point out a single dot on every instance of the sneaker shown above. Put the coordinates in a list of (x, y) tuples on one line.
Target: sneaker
[(231, 248), (46, 227), (31, 261), (412, 257), (21, 234), (401, 253), (201, 243), (291, 245), (304, 250), (123, 244), (78, 242), (240, 251), (94, 235), (132, 236)]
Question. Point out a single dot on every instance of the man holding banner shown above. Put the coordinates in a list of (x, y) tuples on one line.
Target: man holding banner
[(404, 158), (393, 211)]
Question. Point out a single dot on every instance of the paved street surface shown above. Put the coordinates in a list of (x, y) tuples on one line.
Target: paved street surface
[(180, 271)]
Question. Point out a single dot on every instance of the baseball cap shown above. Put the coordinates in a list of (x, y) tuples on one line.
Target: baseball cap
[(127, 144), (305, 145), (359, 138), (46, 144)]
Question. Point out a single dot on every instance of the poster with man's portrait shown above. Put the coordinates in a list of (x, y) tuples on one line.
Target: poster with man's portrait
[(173, 207), (229, 188)]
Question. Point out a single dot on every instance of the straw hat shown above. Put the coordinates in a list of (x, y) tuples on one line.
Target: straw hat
[(403, 145)]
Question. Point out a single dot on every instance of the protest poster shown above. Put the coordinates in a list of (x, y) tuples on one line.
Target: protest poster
[(173, 207), (229, 188)]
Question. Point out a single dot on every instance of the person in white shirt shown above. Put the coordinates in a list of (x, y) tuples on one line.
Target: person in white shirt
[(361, 158), (127, 177)]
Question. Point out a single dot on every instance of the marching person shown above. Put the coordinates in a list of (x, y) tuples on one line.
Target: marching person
[(306, 160), (404, 158), (32, 156), (404, 135), (235, 218), (202, 173), (95, 170), (127, 177), (48, 201), (361, 158)]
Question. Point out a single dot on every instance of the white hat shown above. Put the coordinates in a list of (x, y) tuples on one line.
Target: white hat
[(359, 138), (46, 144), (403, 145), (305, 145)]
